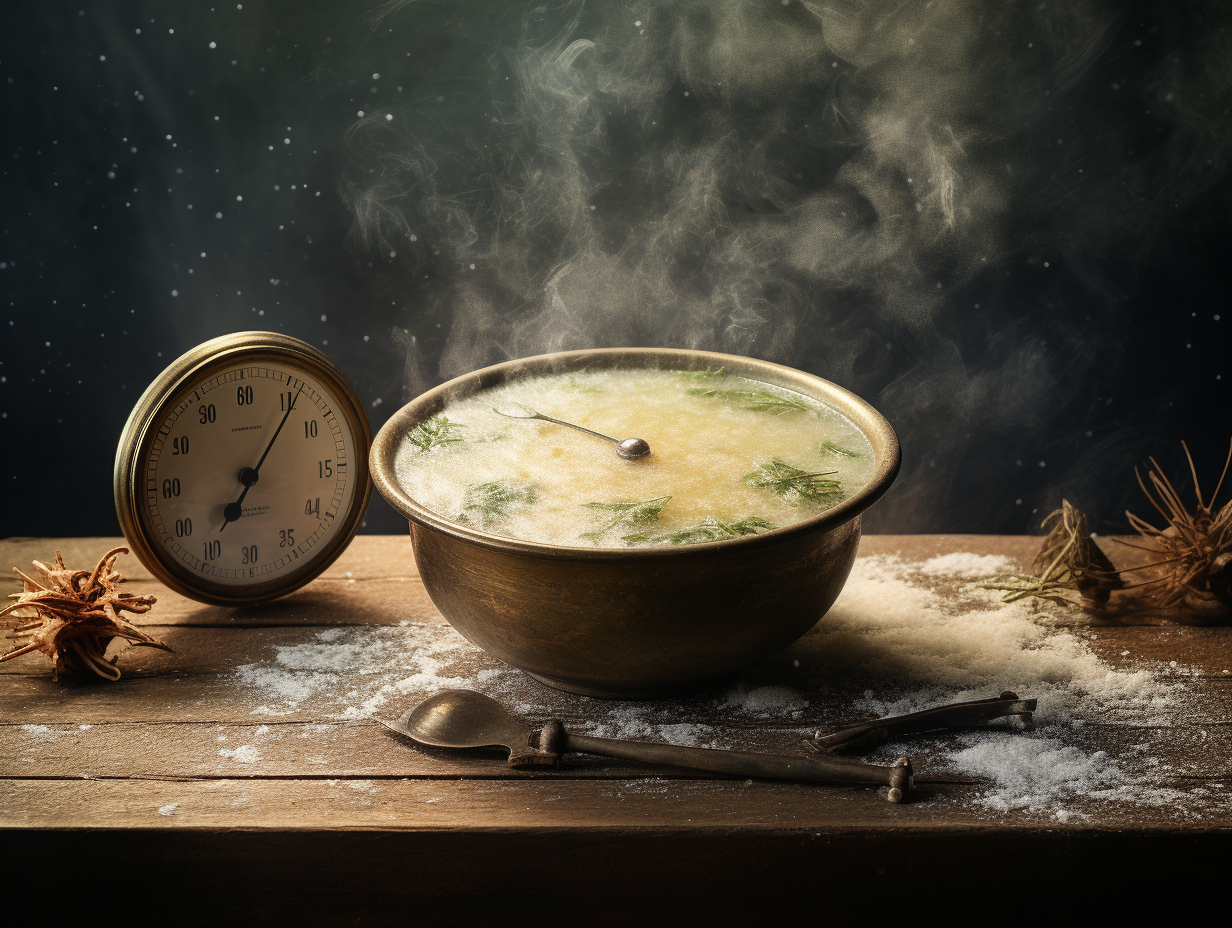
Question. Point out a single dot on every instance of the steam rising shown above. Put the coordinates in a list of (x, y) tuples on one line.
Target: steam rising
[(815, 183)]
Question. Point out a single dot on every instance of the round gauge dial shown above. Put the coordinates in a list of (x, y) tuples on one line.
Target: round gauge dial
[(242, 472)]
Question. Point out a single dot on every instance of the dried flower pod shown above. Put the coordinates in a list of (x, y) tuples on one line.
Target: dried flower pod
[(72, 615), (1189, 556)]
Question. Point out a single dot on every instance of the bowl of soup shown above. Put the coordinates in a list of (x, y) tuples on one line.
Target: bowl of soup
[(627, 577)]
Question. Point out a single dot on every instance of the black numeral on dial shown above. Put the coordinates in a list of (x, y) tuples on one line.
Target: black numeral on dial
[(179, 446), (248, 554), (212, 550), (207, 413), (243, 396), (171, 488), (286, 538), (183, 528)]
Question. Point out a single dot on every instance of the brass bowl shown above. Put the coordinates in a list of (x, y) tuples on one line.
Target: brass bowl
[(635, 622)]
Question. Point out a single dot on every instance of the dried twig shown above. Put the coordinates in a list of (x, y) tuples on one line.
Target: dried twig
[(72, 615), (1071, 564)]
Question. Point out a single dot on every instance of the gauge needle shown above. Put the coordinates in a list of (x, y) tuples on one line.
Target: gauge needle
[(248, 476)]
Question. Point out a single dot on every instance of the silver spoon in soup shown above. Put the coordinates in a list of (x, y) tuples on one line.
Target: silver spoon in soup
[(628, 448)]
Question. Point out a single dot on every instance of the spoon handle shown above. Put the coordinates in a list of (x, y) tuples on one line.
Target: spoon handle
[(573, 425), (898, 778)]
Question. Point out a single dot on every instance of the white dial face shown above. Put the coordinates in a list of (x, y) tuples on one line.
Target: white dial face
[(249, 476)]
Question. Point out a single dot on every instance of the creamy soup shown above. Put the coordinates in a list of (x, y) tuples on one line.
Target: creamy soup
[(729, 457)]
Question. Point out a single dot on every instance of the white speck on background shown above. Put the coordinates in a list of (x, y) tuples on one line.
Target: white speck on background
[(168, 809)]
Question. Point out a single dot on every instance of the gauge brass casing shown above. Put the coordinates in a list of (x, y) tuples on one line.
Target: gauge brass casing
[(202, 362)]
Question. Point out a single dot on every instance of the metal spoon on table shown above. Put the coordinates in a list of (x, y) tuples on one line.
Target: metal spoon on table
[(466, 719), (630, 448)]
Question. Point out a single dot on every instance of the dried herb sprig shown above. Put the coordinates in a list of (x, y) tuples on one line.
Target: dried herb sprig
[(707, 374), (72, 615), (1191, 556), (709, 529), (1071, 564), (792, 483), (486, 503), (756, 400), (435, 432), (626, 514)]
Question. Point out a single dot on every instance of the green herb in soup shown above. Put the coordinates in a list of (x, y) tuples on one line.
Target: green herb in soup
[(829, 447), (433, 433), (706, 429), (486, 503), (792, 483), (709, 529), (756, 400), (626, 514)]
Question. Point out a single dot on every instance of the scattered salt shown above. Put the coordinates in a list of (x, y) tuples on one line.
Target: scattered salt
[(633, 722), (884, 628), (168, 809), (967, 566), (244, 754), (765, 698)]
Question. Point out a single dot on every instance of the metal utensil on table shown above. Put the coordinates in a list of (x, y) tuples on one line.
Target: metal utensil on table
[(629, 448), (466, 719), (975, 713)]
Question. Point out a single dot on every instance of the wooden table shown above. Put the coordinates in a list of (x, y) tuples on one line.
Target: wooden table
[(245, 774)]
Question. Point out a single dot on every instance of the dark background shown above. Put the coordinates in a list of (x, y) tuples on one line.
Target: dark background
[(177, 171)]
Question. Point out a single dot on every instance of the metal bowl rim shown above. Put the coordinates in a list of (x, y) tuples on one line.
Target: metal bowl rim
[(864, 416)]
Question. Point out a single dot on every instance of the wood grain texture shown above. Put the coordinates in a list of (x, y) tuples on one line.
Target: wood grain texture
[(250, 759)]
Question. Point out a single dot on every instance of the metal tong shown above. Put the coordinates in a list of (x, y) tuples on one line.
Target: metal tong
[(976, 713)]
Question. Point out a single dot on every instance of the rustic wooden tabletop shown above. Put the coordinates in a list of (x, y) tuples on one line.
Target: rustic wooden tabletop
[(246, 773)]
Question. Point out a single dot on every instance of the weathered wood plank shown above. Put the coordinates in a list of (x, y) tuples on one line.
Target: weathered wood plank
[(1191, 754), (681, 805), (327, 817), (323, 675), (375, 581)]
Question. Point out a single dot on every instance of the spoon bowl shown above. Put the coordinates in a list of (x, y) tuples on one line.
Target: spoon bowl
[(463, 719)]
